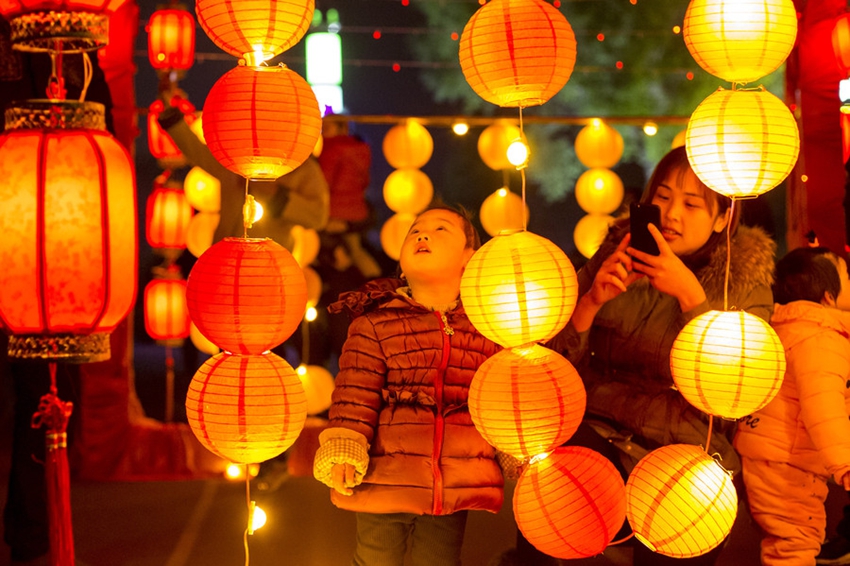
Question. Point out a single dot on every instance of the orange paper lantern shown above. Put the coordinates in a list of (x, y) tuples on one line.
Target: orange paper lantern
[(201, 232), (740, 41), (493, 144), (261, 122), (503, 210), (408, 190), (680, 502), (728, 363), (166, 315), (167, 217), (307, 245), (841, 42), (590, 232), (599, 145), (517, 53), (408, 145), (69, 246), (519, 288), (599, 191), (246, 409), (248, 27), (247, 295), (526, 401), (203, 191), (742, 143), (571, 503), (171, 39), (393, 233)]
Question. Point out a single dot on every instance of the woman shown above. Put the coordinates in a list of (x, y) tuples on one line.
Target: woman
[(632, 306)]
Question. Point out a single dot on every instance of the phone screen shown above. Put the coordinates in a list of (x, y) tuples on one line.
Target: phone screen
[(640, 216)]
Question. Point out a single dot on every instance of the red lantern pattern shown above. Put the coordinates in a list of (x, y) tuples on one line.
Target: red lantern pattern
[(571, 503), (166, 315), (246, 409), (261, 122), (171, 39), (246, 295), (167, 217)]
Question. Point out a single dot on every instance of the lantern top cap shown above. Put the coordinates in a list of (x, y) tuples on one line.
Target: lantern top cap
[(55, 115), (71, 31)]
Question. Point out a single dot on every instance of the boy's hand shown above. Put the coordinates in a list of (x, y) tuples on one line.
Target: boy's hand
[(845, 481), (342, 476)]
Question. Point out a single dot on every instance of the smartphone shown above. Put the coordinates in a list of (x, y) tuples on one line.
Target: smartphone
[(640, 216)]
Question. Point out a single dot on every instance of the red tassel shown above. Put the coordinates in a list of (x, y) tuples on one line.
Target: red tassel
[(53, 414)]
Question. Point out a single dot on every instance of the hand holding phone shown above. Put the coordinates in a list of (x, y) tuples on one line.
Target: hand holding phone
[(640, 216)]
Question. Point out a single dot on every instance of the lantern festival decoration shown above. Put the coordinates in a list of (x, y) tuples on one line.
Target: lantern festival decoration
[(171, 39), (680, 502), (517, 53), (570, 503), (841, 43), (201, 342), (160, 144), (167, 217), (318, 386), (519, 288), (59, 25), (590, 232), (742, 143), (307, 245), (69, 221), (393, 233), (740, 41), (599, 191), (728, 363), (493, 144), (166, 314), (408, 190), (203, 191), (408, 145), (598, 145), (526, 401), (201, 232), (503, 210)]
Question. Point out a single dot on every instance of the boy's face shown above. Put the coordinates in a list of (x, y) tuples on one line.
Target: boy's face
[(435, 246)]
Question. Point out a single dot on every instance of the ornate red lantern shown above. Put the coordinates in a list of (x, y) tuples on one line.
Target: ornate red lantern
[(171, 39), (166, 315), (69, 247), (160, 144), (246, 295), (167, 217), (59, 25)]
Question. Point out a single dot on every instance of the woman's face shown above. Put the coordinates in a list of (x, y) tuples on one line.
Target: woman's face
[(687, 220)]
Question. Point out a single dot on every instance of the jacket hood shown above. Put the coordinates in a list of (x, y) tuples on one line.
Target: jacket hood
[(752, 264), (819, 317)]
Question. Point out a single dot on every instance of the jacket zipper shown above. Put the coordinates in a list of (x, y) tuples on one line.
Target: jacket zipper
[(439, 425)]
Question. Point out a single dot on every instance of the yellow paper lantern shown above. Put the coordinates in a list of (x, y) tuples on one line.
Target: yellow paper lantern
[(314, 286), (742, 143), (517, 53), (503, 210), (197, 127), (599, 145), (571, 503), (599, 191), (679, 139), (590, 232), (393, 232), (493, 144), (201, 342), (201, 232), (728, 363), (680, 502), (203, 190), (526, 401), (740, 41), (307, 245), (318, 386), (408, 145), (519, 288), (408, 190)]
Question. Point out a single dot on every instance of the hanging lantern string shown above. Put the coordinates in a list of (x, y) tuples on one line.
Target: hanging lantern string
[(728, 255), (305, 341), (622, 540), (56, 82), (87, 75), (522, 172), (248, 528), (247, 211), (708, 436)]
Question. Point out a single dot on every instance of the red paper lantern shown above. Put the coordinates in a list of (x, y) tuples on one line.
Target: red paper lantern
[(77, 25), (517, 53), (571, 503), (841, 42), (526, 401), (261, 122), (246, 27), (160, 144), (246, 409), (166, 315), (167, 217), (246, 295), (69, 243), (171, 39)]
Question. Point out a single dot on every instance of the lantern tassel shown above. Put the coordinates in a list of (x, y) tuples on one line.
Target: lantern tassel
[(53, 413)]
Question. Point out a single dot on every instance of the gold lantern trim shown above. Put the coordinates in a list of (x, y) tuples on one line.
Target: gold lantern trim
[(73, 31)]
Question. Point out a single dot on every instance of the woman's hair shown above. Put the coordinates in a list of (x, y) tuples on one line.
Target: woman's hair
[(806, 274)]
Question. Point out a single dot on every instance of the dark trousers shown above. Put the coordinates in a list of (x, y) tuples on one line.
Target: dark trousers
[(434, 540)]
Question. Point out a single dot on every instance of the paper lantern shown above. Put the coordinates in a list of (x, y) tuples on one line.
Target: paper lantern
[(69, 245), (247, 295), (408, 145), (728, 363), (679, 139), (167, 217), (201, 232), (503, 210), (246, 409), (519, 288), (599, 145), (680, 502), (318, 386), (526, 401), (160, 144), (197, 127), (171, 39), (59, 25), (201, 342), (261, 122), (314, 286), (740, 41), (408, 190), (393, 233), (307, 245), (571, 503), (599, 191), (841, 42), (742, 143), (203, 191), (493, 144), (590, 232), (255, 30), (166, 315), (517, 53)]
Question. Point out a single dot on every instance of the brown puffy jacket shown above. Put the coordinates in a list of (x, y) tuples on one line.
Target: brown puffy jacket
[(403, 383)]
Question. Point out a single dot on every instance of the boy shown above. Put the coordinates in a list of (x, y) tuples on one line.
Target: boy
[(401, 449), (791, 446)]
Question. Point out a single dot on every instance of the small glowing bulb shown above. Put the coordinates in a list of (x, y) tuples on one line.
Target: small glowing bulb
[(650, 128), (503, 192), (518, 154), (233, 471), (460, 128), (258, 211), (259, 57), (311, 314), (160, 57), (256, 518), (538, 458), (804, 178), (301, 370)]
